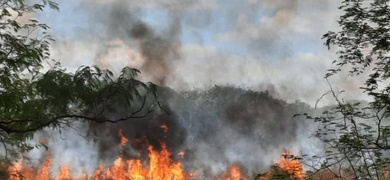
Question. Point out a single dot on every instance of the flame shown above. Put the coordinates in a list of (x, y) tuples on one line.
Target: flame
[(64, 174), (159, 167), (43, 173), (286, 164), (234, 173), (124, 140), (291, 165), (18, 171)]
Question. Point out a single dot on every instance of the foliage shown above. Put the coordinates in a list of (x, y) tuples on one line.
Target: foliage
[(356, 135), (275, 173), (278, 174), (32, 98)]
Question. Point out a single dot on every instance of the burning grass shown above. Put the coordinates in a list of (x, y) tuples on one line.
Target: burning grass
[(159, 167)]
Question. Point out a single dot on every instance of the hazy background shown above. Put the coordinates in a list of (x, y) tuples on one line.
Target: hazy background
[(236, 71), (272, 45)]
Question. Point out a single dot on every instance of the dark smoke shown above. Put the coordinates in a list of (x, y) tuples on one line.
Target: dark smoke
[(141, 133), (228, 125), (159, 49), (215, 128), (158, 52)]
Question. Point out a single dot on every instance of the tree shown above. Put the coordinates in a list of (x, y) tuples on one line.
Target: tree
[(32, 98), (356, 135)]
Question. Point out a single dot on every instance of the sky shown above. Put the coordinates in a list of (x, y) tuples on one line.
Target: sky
[(262, 45), (272, 45)]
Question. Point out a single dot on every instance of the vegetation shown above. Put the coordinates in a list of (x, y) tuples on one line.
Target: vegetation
[(357, 135), (33, 97)]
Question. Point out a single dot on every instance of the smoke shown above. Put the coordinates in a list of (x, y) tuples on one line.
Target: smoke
[(68, 146), (157, 49), (141, 133), (234, 125), (215, 128), (263, 49), (186, 45), (159, 52), (266, 36)]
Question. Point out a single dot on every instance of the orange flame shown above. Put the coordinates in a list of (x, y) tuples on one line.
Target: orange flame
[(160, 167), (291, 165), (19, 172), (64, 173), (124, 140), (234, 173), (287, 163), (43, 173)]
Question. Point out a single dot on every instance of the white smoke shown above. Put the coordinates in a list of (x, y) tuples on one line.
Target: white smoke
[(260, 45)]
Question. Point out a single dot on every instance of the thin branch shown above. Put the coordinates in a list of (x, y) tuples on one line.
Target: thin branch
[(318, 100)]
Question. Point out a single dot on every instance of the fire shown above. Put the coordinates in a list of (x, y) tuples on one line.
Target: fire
[(44, 172), (64, 173), (159, 167), (124, 140), (287, 165), (291, 165), (234, 173), (17, 171)]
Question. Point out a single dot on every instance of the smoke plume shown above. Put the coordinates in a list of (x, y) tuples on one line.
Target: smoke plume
[(158, 50), (232, 75), (215, 128)]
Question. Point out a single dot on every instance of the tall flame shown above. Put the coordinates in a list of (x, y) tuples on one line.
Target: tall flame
[(159, 167), (44, 173), (64, 174)]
